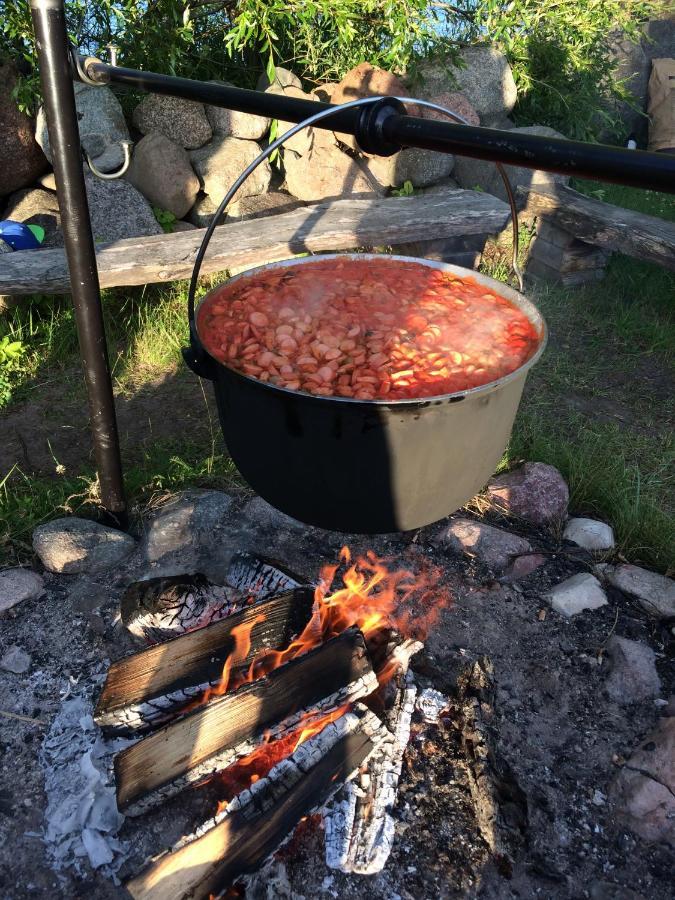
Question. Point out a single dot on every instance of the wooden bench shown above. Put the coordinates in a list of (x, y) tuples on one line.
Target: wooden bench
[(575, 235), (336, 225)]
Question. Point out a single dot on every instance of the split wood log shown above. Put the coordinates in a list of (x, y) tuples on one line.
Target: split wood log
[(359, 827), (239, 840), (499, 802), (157, 609), (335, 225), (603, 225), (211, 737), (150, 687)]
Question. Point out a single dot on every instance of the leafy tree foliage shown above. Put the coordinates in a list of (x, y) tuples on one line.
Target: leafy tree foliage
[(237, 39), (560, 53), (560, 50)]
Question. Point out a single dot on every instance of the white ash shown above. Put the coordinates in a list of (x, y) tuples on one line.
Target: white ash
[(183, 611), (137, 717), (431, 703), (81, 818), (219, 761), (358, 823)]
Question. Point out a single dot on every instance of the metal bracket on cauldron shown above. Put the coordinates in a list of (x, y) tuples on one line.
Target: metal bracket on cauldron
[(195, 356)]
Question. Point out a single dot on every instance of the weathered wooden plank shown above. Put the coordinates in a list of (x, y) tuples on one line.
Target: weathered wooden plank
[(337, 225), (604, 225)]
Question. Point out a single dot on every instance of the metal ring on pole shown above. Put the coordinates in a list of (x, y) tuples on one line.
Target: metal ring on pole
[(111, 176), (81, 68), (275, 145)]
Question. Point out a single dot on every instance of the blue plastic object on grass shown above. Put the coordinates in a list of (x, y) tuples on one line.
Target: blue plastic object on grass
[(20, 236)]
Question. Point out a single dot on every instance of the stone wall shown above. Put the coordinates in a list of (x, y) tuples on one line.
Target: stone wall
[(186, 154)]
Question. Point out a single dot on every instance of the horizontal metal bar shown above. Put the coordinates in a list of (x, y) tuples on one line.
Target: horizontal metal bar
[(635, 168)]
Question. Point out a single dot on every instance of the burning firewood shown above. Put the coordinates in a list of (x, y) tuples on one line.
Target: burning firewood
[(157, 609), (212, 736), (148, 688), (358, 822), (239, 840)]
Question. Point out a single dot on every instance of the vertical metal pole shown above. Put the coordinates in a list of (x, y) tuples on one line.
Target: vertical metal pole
[(51, 37)]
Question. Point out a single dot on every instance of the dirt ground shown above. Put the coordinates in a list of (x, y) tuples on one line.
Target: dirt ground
[(556, 730), (52, 427)]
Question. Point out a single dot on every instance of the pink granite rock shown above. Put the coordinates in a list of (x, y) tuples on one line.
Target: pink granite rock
[(536, 492)]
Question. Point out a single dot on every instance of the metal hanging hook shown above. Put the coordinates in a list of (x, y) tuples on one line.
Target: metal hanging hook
[(111, 176)]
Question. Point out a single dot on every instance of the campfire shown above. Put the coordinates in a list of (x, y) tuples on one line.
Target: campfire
[(291, 699)]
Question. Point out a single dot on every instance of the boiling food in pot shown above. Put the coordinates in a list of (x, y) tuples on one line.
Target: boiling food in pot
[(364, 329)]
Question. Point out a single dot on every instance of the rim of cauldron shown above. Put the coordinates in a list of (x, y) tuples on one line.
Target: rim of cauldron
[(526, 306)]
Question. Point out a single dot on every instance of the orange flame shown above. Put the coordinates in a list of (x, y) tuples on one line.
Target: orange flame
[(373, 597), (256, 765)]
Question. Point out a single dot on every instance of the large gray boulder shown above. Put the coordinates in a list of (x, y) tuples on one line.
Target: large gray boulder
[(183, 121), (191, 527), (422, 168), (324, 172), (302, 141), (263, 205), (203, 211), (21, 159), (73, 545), (486, 80), (282, 78), (160, 169), (634, 62), (477, 173), (231, 123), (116, 208), (101, 124), (219, 163)]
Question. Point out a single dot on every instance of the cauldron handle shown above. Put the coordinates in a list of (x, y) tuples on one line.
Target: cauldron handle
[(195, 355)]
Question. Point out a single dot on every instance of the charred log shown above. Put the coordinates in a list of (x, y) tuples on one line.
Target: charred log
[(157, 609), (261, 818), (211, 737), (499, 801), (148, 688)]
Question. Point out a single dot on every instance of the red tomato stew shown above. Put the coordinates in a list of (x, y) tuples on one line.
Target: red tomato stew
[(366, 329)]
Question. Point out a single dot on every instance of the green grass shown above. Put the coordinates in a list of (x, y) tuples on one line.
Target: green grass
[(599, 405), (26, 501)]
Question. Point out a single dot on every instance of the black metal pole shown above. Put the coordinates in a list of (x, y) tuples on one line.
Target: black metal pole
[(635, 168), (51, 38)]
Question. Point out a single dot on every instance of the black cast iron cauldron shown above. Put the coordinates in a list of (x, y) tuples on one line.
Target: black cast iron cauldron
[(366, 466)]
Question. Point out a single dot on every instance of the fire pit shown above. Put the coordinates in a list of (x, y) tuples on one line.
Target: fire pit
[(294, 699)]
